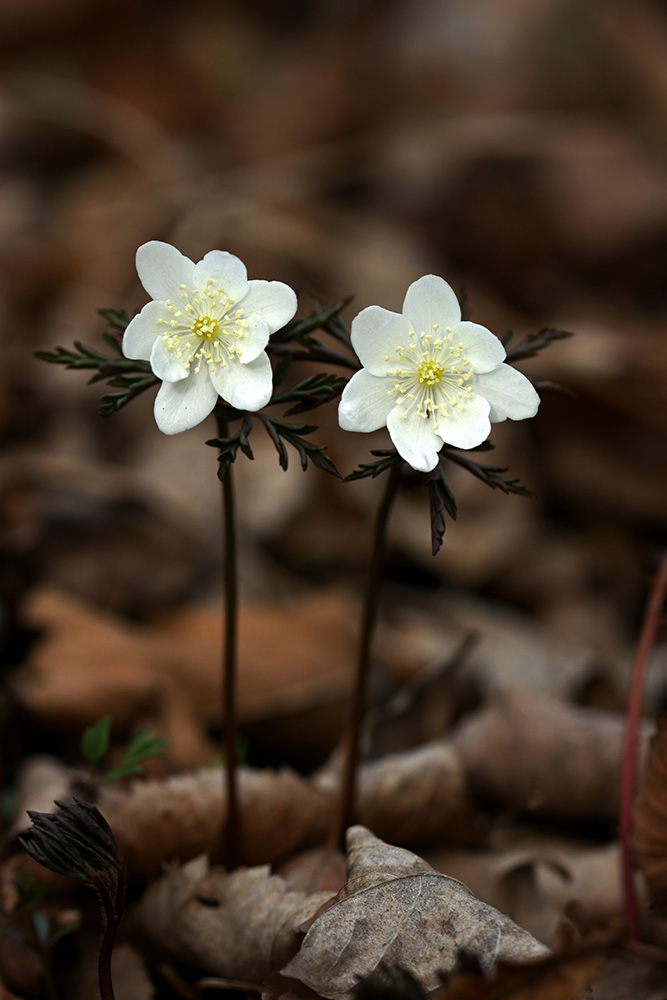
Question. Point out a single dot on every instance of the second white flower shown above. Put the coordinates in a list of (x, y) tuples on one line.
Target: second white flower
[(430, 377)]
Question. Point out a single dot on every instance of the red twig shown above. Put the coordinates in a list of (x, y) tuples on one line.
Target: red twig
[(649, 628)]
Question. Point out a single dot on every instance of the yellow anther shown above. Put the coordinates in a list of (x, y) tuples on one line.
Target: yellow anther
[(430, 372)]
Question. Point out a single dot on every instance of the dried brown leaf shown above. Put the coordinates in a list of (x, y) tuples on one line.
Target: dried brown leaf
[(650, 820), (536, 755), (419, 795), (414, 797), (556, 977), (240, 925), (180, 817), (397, 910), (534, 877)]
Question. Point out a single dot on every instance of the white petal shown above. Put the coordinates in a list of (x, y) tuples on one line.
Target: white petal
[(481, 347), (225, 271), (429, 301), (166, 365), (365, 403), (468, 427), (182, 405), (274, 301), (376, 333), (162, 269), (247, 387), (414, 439), (143, 330), (509, 392), (255, 339)]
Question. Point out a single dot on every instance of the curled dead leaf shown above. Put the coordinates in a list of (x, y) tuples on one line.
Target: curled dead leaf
[(417, 796), (181, 817), (557, 977), (396, 910), (240, 925), (541, 756)]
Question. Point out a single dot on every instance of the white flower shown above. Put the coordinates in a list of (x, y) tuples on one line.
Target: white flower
[(205, 333), (430, 377)]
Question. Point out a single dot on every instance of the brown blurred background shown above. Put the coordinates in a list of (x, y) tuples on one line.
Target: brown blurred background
[(516, 147)]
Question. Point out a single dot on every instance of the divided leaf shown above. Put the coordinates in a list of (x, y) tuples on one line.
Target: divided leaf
[(241, 925)]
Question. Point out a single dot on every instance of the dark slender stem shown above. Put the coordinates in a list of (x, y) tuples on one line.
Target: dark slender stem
[(231, 833), (649, 628), (344, 816), (113, 914)]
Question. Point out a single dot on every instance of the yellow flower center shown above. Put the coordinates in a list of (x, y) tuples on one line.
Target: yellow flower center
[(205, 327), (430, 372)]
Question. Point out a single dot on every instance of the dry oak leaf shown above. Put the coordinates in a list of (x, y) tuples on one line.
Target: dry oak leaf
[(650, 820), (540, 756), (182, 816), (397, 911), (239, 925), (564, 976)]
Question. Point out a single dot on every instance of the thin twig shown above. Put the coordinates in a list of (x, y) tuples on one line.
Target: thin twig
[(649, 628), (344, 816), (231, 834)]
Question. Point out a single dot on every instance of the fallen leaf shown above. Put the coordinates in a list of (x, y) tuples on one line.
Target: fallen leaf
[(533, 878), (397, 910), (89, 663), (419, 795), (240, 925), (414, 797), (557, 977), (650, 820), (180, 817), (540, 756)]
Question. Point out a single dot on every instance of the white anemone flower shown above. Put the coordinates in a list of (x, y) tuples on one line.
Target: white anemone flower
[(430, 377), (205, 333)]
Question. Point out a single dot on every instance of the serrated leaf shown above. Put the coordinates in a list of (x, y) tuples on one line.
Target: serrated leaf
[(311, 392), (95, 740), (282, 433), (121, 771), (386, 460), (280, 372), (228, 447), (441, 499), (532, 344), (491, 475), (144, 746), (119, 319)]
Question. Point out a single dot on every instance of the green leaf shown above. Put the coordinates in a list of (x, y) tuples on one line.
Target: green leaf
[(282, 433), (95, 740), (121, 771), (228, 447), (130, 376), (386, 460), (492, 475), (533, 344), (295, 340), (144, 746), (441, 499), (311, 392), (118, 319)]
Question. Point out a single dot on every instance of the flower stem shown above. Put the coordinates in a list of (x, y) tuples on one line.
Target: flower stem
[(113, 914), (344, 816), (231, 833), (649, 628)]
